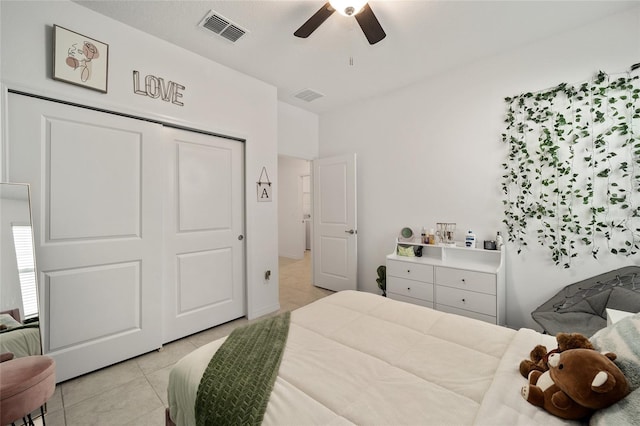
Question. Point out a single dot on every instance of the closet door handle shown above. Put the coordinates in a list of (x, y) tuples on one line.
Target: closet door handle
[(350, 231), (240, 237)]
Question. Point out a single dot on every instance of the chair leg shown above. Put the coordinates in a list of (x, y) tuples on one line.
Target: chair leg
[(28, 421)]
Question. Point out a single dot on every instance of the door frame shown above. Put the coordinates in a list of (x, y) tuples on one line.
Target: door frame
[(291, 194), (314, 254)]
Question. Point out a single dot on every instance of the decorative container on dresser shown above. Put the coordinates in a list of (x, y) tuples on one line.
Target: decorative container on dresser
[(459, 280)]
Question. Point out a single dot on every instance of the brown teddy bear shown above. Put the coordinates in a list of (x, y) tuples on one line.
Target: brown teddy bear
[(578, 382), (538, 356)]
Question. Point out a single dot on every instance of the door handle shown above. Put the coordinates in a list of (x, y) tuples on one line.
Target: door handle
[(350, 231)]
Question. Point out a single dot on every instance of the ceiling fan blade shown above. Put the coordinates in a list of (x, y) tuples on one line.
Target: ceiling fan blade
[(315, 21), (370, 25)]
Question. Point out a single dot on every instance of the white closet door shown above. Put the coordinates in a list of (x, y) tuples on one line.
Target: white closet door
[(96, 188), (204, 233)]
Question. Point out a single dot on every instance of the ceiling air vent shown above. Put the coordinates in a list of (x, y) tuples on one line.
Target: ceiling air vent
[(308, 95), (222, 26)]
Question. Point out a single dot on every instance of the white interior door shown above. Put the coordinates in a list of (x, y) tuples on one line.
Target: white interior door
[(335, 237), (96, 193), (204, 233)]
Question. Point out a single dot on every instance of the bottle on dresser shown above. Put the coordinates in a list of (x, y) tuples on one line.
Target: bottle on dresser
[(470, 240)]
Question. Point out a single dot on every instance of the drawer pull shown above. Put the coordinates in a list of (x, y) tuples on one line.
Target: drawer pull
[(409, 288), (408, 271), (464, 281), (463, 301)]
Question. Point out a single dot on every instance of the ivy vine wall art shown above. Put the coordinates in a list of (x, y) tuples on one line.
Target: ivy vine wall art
[(571, 179)]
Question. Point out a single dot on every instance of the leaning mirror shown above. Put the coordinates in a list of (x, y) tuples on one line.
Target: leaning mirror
[(19, 322)]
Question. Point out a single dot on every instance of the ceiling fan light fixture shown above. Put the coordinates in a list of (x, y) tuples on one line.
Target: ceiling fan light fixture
[(348, 7), (359, 9)]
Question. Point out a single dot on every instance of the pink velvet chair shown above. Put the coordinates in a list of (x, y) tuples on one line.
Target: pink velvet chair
[(25, 384)]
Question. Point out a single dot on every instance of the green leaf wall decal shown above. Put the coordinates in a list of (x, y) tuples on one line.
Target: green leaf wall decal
[(572, 172)]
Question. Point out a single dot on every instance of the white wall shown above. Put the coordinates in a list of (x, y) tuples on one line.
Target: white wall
[(291, 237), (433, 152), (298, 132), (216, 99)]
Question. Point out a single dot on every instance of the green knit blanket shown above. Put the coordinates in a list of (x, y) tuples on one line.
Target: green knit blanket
[(235, 387)]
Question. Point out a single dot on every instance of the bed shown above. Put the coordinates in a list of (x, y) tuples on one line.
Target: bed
[(359, 358), (17, 338)]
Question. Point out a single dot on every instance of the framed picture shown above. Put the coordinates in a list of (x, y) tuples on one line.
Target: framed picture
[(79, 59)]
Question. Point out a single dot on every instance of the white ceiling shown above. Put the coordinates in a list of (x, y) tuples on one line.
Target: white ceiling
[(424, 38)]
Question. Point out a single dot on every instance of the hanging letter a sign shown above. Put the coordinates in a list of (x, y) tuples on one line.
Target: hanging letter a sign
[(264, 186)]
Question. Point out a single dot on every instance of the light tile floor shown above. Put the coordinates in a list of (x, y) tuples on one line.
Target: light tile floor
[(135, 391)]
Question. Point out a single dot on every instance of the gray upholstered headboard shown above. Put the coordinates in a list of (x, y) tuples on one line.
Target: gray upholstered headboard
[(15, 313)]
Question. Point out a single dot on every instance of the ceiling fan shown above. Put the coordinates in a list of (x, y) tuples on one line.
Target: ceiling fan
[(357, 8)]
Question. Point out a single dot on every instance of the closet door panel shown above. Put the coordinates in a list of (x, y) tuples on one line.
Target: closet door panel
[(115, 291), (204, 187), (204, 235), (110, 202), (96, 183), (196, 292)]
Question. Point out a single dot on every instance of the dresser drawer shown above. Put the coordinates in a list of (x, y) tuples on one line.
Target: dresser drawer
[(411, 300), (410, 288), (467, 300), (410, 270), (466, 280), (468, 314)]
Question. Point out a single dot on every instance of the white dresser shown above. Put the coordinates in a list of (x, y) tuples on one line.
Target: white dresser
[(459, 280)]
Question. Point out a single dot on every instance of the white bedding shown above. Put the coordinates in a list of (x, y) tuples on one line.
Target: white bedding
[(21, 342), (358, 358)]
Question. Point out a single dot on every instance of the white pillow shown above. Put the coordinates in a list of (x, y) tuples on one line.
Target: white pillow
[(624, 412), (622, 338), (8, 321)]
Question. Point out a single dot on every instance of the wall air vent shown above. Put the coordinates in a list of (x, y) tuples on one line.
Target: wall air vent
[(222, 26), (308, 95)]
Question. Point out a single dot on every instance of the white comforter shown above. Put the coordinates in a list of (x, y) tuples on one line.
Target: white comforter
[(358, 358)]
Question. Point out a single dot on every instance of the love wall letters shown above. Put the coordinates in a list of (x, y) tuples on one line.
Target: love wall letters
[(157, 88)]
